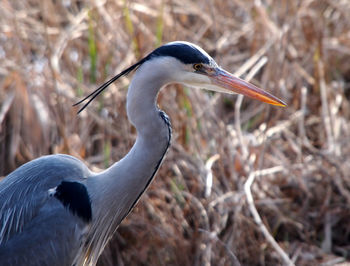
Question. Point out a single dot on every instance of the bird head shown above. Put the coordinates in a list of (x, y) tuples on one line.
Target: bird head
[(198, 69), (189, 64)]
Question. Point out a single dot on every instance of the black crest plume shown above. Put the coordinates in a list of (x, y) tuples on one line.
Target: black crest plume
[(185, 52), (95, 93)]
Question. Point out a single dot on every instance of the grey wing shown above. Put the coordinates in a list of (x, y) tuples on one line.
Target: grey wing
[(38, 225)]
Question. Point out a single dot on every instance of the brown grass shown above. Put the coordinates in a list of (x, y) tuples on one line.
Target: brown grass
[(53, 52)]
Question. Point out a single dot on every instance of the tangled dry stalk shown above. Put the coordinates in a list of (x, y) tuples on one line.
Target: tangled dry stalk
[(244, 183)]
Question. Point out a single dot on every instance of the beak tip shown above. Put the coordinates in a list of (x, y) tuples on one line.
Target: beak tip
[(281, 104)]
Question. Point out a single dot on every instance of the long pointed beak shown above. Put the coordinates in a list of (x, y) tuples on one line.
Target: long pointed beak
[(230, 84)]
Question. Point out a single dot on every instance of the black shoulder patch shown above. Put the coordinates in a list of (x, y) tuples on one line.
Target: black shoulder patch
[(184, 52), (75, 197)]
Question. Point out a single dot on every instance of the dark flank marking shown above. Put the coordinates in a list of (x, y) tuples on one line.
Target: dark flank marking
[(186, 53), (75, 197), (166, 119)]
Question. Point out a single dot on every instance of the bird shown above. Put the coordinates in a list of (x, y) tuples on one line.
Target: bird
[(55, 211)]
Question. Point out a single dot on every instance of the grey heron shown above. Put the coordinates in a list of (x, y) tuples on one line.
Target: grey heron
[(55, 211)]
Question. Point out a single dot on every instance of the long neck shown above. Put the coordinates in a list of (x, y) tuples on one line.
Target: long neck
[(140, 165), (116, 190)]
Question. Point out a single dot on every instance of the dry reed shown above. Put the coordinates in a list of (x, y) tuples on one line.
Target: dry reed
[(244, 182)]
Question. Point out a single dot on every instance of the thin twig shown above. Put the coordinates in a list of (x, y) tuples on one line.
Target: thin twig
[(255, 214), (213, 236), (209, 177), (325, 109), (239, 101)]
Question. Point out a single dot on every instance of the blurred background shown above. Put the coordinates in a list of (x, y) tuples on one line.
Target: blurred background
[(243, 181)]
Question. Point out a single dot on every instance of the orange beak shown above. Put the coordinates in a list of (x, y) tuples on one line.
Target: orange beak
[(230, 84)]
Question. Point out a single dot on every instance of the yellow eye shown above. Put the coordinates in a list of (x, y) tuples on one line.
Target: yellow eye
[(197, 67)]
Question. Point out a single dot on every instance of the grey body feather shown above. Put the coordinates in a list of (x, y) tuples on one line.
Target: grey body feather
[(32, 221)]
